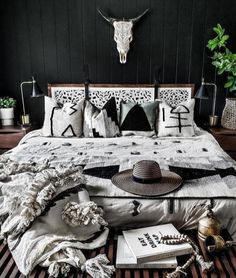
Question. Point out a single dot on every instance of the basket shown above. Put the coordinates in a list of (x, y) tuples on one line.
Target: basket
[(228, 119)]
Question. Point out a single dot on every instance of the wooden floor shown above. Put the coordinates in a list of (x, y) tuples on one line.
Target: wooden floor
[(224, 265)]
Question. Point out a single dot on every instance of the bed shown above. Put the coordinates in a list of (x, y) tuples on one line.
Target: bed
[(209, 174)]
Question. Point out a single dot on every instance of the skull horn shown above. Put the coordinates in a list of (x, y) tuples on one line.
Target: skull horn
[(136, 19), (107, 18)]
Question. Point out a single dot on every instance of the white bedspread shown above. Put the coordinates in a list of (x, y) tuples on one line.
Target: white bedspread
[(208, 172)]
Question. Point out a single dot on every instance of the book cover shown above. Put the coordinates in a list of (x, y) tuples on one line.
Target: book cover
[(125, 258), (145, 246)]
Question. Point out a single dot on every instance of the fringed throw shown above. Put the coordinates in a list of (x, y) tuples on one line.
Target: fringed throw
[(38, 194), (60, 248), (97, 267), (75, 214), (57, 268), (9, 167)]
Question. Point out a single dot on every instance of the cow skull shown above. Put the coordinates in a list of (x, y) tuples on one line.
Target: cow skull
[(123, 34)]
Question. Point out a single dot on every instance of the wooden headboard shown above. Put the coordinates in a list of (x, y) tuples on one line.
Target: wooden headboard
[(100, 93)]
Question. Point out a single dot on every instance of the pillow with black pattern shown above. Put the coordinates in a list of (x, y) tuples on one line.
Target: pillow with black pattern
[(176, 121), (138, 119), (62, 120), (101, 122)]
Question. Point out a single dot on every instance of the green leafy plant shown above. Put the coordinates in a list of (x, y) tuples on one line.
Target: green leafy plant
[(223, 59), (7, 102)]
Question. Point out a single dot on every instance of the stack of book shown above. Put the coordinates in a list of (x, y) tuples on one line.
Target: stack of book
[(141, 248)]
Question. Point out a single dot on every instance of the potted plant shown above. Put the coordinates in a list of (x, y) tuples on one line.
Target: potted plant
[(225, 62), (7, 105)]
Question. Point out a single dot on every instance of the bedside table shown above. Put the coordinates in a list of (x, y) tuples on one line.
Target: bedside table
[(226, 138), (10, 136)]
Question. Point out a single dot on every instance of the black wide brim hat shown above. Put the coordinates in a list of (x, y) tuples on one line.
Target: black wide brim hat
[(169, 182)]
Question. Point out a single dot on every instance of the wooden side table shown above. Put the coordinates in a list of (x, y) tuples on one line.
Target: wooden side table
[(10, 136), (226, 138)]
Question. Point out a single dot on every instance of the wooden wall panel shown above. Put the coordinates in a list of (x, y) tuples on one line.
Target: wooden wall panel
[(198, 49), (63, 40), (9, 63), (142, 39), (117, 69), (89, 15), (49, 42), (129, 75), (171, 17), (104, 44), (75, 21), (157, 42), (184, 40), (1, 49), (53, 39)]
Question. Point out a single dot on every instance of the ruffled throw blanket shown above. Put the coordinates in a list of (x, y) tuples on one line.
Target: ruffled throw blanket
[(46, 217)]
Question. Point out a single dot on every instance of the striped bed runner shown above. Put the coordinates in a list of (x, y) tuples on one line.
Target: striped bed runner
[(225, 265)]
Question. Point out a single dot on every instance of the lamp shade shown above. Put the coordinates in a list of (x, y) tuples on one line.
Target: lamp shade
[(36, 90), (202, 92)]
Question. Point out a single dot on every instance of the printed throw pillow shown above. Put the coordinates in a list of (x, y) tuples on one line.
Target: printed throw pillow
[(176, 121), (138, 119), (101, 123), (63, 121)]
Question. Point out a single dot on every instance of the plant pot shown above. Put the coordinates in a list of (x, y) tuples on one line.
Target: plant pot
[(228, 119), (7, 116)]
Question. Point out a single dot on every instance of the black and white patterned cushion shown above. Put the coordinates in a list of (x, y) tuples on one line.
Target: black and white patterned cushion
[(138, 119), (176, 121), (101, 123), (63, 121)]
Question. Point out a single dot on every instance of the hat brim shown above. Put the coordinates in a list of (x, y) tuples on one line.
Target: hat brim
[(170, 181)]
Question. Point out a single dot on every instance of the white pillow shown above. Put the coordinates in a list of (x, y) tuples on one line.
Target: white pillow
[(63, 121), (176, 121)]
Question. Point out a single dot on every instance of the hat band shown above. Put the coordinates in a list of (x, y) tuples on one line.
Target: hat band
[(140, 180)]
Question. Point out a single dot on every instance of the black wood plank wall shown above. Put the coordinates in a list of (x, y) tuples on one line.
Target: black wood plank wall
[(53, 39)]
